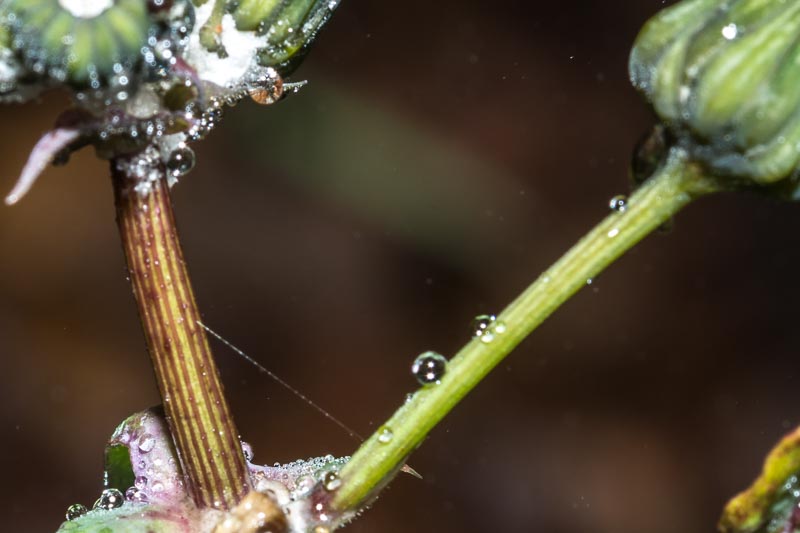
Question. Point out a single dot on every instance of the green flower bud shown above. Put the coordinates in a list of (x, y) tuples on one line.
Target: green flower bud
[(289, 27), (723, 75), (78, 41)]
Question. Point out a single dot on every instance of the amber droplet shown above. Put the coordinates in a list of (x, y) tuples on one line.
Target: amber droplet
[(269, 88)]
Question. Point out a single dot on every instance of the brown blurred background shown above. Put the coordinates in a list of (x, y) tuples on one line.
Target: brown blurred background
[(443, 155)]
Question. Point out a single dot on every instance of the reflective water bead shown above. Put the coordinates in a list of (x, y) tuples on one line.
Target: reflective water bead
[(618, 203), (331, 481), (487, 327), (480, 324), (110, 499), (140, 482), (429, 368), (76, 510), (268, 89), (146, 443), (135, 495), (180, 161), (385, 435)]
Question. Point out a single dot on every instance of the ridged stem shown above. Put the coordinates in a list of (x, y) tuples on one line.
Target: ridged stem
[(200, 420), (676, 183)]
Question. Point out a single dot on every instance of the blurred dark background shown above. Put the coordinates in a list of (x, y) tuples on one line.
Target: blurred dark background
[(442, 156)]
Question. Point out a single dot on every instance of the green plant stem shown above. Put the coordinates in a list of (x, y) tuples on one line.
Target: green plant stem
[(673, 186), (199, 418)]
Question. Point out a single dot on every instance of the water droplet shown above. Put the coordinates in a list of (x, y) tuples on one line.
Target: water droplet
[(487, 327), (331, 481), (480, 324), (180, 161), (135, 495), (303, 486), (140, 482), (110, 499), (146, 443), (268, 89), (730, 31), (429, 367), (589, 281), (248, 451), (618, 203), (385, 435), (76, 510), (409, 397)]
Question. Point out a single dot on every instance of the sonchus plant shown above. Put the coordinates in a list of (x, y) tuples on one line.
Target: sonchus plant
[(150, 77)]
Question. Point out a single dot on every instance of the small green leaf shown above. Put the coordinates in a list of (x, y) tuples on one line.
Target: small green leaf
[(130, 518), (119, 471)]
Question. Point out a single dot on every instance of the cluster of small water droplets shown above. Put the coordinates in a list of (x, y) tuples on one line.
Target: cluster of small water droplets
[(305, 490), (487, 328), (783, 508), (429, 368), (618, 203), (136, 495), (303, 486), (143, 167), (204, 119)]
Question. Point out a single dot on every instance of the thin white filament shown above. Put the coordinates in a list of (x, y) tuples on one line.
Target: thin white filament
[(288, 387)]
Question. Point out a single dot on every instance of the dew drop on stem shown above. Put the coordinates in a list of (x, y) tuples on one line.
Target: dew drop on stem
[(618, 203), (146, 443), (135, 495), (487, 328), (385, 435), (429, 368), (331, 481), (76, 510), (110, 499)]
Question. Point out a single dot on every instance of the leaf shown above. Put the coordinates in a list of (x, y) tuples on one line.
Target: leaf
[(141, 462), (770, 505), (130, 518)]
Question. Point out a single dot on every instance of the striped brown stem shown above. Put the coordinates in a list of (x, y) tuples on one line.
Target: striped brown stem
[(199, 417)]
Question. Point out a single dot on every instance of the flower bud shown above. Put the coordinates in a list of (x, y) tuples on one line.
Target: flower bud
[(84, 43), (289, 28), (723, 76)]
